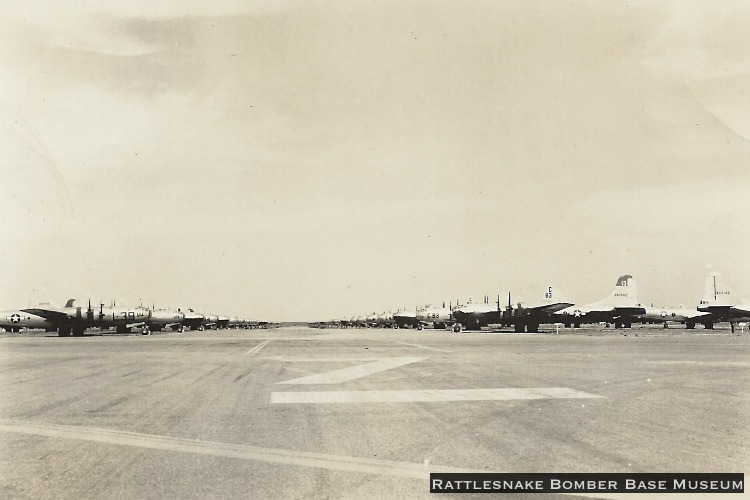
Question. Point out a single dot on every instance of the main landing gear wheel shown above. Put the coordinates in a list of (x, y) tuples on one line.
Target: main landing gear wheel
[(457, 328)]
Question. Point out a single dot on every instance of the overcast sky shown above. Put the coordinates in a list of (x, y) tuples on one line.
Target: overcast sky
[(312, 160)]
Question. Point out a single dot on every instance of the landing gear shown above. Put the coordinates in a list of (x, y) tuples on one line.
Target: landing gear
[(690, 325), (63, 332), (528, 327), (458, 328), (145, 331), (78, 332)]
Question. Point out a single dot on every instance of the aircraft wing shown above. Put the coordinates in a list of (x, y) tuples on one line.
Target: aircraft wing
[(48, 314), (697, 314), (740, 311), (547, 308), (728, 312)]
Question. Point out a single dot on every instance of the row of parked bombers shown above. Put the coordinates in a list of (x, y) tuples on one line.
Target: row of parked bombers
[(75, 320), (621, 308)]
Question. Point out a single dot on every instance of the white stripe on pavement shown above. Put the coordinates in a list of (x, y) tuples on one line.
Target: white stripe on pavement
[(353, 372), (411, 396), (238, 451)]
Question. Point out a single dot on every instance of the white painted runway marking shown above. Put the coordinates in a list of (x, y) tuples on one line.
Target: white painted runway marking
[(258, 347), (319, 360), (353, 372), (238, 451), (412, 396), (728, 364), (344, 463), (421, 346)]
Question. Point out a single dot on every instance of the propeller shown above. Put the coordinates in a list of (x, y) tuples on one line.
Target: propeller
[(89, 312)]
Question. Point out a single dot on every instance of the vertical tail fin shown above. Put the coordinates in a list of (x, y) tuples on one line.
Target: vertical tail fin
[(40, 297), (552, 296), (716, 292), (625, 293)]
